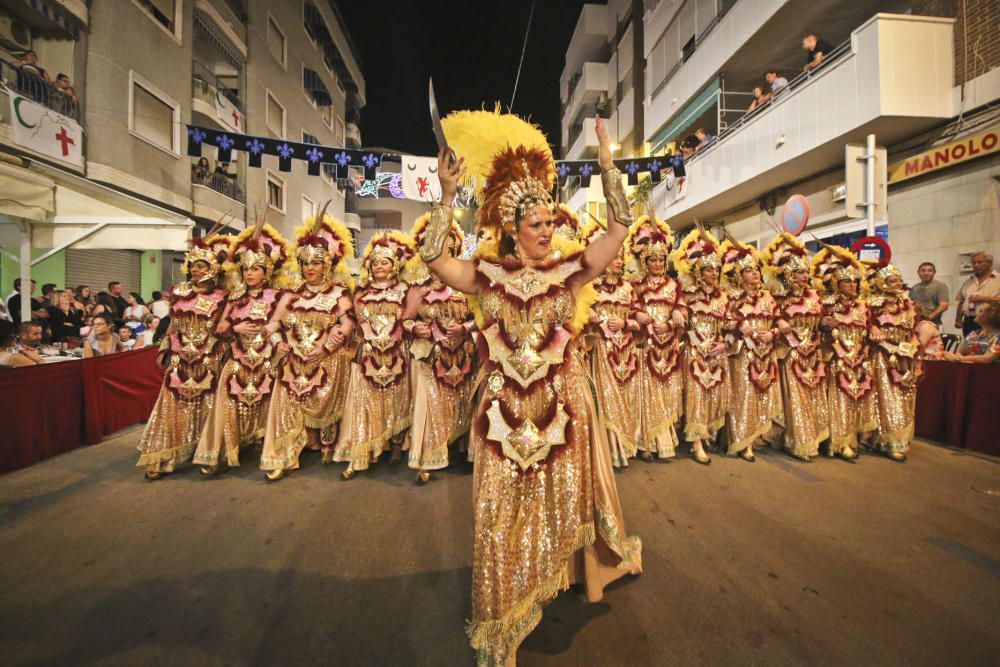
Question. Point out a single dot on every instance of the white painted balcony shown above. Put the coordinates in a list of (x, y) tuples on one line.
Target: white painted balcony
[(583, 141), (588, 43), (352, 135), (894, 79), (587, 89)]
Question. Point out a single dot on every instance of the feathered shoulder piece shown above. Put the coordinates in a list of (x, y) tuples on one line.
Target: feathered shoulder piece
[(508, 165), (398, 247)]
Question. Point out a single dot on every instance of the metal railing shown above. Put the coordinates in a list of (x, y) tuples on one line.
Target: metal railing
[(203, 81), (723, 8), (224, 184), (33, 86)]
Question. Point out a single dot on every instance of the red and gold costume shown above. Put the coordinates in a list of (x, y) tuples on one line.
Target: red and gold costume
[(659, 399), (755, 408), (706, 375), (546, 506), (801, 365), (846, 326), (192, 355), (311, 388), (379, 409), (894, 367), (443, 367), (240, 412)]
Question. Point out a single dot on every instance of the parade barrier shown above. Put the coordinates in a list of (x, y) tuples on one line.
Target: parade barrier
[(52, 409), (956, 405)]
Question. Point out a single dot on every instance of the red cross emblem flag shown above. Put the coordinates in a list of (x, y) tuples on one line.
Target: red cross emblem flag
[(227, 114), (45, 131)]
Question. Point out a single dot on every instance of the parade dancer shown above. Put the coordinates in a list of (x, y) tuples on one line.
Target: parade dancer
[(239, 415), (546, 505), (191, 353), (311, 328)]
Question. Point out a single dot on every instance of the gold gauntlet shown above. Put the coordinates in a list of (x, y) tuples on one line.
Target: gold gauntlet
[(436, 233), (614, 193)]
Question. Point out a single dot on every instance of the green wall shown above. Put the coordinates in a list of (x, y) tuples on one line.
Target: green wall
[(52, 270), (151, 267)]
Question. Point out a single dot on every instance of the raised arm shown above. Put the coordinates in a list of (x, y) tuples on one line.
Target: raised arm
[(600, 253), (455, 273)]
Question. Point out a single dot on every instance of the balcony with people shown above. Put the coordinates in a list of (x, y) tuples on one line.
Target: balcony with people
[(757, 126)]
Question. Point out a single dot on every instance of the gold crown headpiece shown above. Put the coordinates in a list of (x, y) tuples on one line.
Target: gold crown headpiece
[(738, 257), (697, 251), (325, 239), (785, 254), (395, 246)]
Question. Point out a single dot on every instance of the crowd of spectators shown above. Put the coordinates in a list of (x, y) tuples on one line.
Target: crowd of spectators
[(34, 82), (68, 320), (218, 178)]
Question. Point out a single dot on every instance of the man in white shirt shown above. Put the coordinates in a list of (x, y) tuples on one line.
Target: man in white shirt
[(983, 286)]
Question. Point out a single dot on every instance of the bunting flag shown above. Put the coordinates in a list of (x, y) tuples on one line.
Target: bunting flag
[(370, 161)]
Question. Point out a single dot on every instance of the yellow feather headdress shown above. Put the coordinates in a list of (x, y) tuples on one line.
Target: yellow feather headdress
[(395, 246), (696, 251), (262, 246), (737, 257), (832, 264), (322, 237)]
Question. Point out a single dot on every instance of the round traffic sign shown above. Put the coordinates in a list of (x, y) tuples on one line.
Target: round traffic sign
[(872, 249), (795, 214)]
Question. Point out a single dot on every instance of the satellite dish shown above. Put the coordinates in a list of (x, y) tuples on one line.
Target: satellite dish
[(795, 214)]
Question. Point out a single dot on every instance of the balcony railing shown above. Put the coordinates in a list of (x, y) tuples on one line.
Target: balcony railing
[(205, 84), (33, 86), (224, 184)]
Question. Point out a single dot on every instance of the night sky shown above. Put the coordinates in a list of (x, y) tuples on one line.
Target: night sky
[(472, 51)]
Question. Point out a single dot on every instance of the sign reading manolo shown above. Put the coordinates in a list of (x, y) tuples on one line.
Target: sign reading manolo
[(968, 148)]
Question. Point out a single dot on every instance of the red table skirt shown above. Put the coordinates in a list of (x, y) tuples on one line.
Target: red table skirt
[(48, 410), (957, 405)]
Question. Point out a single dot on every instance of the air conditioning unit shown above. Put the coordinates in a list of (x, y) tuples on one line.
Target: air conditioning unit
[(14, 34)]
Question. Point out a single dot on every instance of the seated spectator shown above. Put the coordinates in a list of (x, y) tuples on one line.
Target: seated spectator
[(159, 306), (126, 335), (64, 320), (147, 336), (760, 98), (704, 139), (105, 305), (776, 82), (29, 335), (817, 48), (135, 310), (928, 335), (200, 171), (102, 340), (981, 346), (88, 324), (11, 354)]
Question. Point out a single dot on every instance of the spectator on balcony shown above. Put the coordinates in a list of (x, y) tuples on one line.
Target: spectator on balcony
[(201, 171), (101, 340), (688, 145), (817, 48), (704, 139), (65, 321), (760, 98), (776, 82), (32, 79), (135, 311), (159, 306)]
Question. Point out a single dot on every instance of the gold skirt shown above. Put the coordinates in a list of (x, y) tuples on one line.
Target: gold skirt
[(704, 409), (373, 416), (538, 532), (615, 409), (230, 426), (288, 416), (441, 415), (850, 418), (805, 417), (895, 406), (753, 413), (660, 406)]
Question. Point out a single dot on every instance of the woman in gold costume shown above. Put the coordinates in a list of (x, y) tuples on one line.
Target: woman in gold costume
[(192, 355), (443, 348), (614, 359), (546, 506), (378, 413), (801, 365), (755, 391), (846, 325), (244, 392), (311, 327), (662, 317), (706, 373), (894, 368)]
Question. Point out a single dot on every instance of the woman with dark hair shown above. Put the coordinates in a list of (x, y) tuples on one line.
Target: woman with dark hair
[(104, 305), (135, 311), (546, 506), (102, 339), (82, 299)]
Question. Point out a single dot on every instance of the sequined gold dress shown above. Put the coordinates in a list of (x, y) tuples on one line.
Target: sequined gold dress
[(442, 375), (894, 370), (706, 378), (614, 366), (308, 394), (243, 395), (803, 374), (193, 355), (379, 408), (545, 502), (660, 396), (755, 391), (849, 383)]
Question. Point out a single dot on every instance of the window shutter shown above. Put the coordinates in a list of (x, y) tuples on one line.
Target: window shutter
[(152, 118)]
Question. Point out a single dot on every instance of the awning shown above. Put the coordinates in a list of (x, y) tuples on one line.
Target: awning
[(50, 16), (25, 194), (689, 114), (315, 87)]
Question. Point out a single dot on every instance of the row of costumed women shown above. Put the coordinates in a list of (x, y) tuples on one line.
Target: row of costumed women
[(294, 356)]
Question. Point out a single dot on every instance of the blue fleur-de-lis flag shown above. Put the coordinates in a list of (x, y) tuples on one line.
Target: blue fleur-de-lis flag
[(631, 167)]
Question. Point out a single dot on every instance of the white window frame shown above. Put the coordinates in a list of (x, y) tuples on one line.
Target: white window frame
[(136, 79), (328, 122), (341, 125), (177, 33), (284, 40), (268, 96), (312, 207), (272, 177)]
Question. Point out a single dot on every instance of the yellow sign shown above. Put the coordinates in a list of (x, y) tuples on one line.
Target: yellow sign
[(940, 157)]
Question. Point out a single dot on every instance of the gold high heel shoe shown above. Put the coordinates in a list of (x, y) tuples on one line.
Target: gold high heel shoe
[(423, 477), (701, 457), (153, 475), (348, 473), (209, 471), (900, 457), (747, 455), (276, 474), (646, 456)]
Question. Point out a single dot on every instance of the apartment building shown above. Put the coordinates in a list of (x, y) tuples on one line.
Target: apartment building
[(922, 76), (123, 204)]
